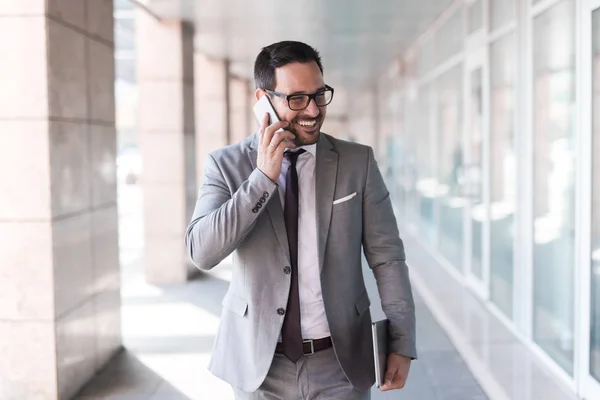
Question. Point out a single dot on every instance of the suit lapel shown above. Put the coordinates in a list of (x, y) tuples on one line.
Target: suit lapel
[(274, 208), (326, 175)]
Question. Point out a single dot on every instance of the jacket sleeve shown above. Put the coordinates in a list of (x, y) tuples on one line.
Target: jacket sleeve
[(385, 255), (222, 219)]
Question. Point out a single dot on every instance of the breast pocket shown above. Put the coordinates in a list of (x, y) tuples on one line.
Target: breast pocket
[(346, 202)]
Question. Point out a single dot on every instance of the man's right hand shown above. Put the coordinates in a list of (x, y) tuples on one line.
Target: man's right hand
[(271, 147)]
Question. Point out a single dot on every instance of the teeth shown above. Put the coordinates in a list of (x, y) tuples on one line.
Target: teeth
[(307, 123)]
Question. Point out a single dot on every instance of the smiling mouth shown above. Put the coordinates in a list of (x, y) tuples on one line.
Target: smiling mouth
[(308, 125)]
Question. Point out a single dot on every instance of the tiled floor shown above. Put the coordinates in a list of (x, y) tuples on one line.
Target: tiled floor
[(505, 367), (168, 333)]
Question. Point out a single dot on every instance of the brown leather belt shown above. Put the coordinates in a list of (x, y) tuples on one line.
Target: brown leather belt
[(309, 346)]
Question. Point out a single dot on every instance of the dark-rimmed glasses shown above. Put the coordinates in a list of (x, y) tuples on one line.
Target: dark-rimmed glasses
[(298, 102)]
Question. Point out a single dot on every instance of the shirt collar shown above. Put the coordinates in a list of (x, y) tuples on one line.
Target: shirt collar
[(310, 148)]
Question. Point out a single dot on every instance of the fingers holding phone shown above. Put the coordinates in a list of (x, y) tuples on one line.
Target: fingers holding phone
[(273, 142)]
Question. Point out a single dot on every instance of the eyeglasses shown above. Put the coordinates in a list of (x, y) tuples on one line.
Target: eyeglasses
[(298, 102)]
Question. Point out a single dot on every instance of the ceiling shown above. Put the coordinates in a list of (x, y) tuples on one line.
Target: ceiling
[(358, 39)]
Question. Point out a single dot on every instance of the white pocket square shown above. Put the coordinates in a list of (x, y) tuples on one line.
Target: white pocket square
[(343, 199)]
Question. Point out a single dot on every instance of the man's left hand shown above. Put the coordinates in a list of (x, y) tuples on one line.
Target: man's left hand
[(396, 372)]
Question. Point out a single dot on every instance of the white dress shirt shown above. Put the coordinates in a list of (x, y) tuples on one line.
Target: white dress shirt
[(312, 311)]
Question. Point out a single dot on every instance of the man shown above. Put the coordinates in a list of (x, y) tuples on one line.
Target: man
[(294, 205)]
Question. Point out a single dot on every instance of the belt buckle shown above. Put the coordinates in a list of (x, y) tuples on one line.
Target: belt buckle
[(312, 347)]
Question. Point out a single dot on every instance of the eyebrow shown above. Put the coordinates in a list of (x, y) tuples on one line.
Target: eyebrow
[(304, 92)]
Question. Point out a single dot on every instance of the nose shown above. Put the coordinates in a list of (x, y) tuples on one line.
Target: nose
[(312, 110)]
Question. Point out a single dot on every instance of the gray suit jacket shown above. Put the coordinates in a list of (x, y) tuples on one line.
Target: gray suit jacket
[(238, 210)]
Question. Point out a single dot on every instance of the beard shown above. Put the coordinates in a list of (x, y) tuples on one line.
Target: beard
[(306, 135)]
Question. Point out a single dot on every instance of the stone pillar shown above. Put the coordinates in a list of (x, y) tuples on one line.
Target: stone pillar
[(239, 107), (59, 262), (212, 112), (165, 71)]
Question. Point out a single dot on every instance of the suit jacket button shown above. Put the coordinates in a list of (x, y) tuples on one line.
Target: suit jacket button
[(280, 311), (287, 270)]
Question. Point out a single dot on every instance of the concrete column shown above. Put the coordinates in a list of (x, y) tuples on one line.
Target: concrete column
[(239, 107), (212, 113), (59, 265), (165, 71)]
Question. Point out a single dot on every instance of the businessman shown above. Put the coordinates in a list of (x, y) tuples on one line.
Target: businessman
[(294, 206)]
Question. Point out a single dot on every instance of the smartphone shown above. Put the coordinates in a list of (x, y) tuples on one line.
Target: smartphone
[(262, 106)]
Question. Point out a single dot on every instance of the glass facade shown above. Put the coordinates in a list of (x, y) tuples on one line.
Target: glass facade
[(474, 171), (503, 174), (494, 147), (450, 173), (554, 181), (425, 166)]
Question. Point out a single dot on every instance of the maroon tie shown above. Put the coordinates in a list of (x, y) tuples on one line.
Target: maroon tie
[(291, 332)]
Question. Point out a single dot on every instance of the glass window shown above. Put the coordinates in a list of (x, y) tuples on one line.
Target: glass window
[(595, 281), (501, 13), (426, 183), (474, 170), (411, 167), (397, 150), (475, 14), (449, 39), (554, 180), (450, 176), (503, 175)]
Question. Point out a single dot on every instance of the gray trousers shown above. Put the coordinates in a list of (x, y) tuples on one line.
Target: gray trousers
[(315, 377)]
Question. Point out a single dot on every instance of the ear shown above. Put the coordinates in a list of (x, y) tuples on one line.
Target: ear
[(259, 93)]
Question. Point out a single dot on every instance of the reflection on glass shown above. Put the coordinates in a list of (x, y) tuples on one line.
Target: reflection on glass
[(397, 151), (426, 183), (503, 177), (501, 13), (411, 174), (595, 281), (451, 179), (475, 14), (554, 180), (474, 169)]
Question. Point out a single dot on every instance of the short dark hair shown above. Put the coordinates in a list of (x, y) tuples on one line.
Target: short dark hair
[(279, 54)]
